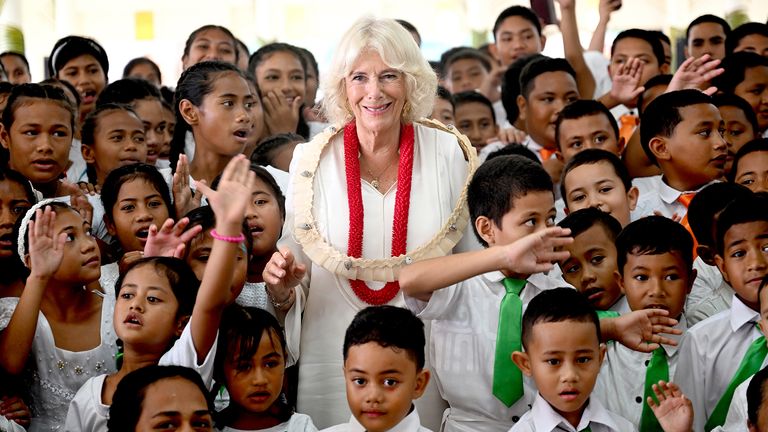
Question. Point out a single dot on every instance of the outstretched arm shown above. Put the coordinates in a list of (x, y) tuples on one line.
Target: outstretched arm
[(574, 53), (640, 330), (606, 8)]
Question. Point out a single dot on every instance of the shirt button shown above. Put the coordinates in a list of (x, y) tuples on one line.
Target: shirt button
[(647, 362), (515, 419), (639, 399)]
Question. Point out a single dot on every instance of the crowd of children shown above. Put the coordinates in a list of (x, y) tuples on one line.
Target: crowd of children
[(620, 204)]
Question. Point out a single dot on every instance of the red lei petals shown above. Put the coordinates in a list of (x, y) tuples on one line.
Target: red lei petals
[(355, 201)]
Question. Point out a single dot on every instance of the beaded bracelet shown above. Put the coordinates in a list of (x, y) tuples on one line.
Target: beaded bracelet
[(280, 305), (239, 239)]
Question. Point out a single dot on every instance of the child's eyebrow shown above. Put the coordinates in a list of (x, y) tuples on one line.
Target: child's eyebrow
[(260, 192), (68, 229), (390, 372), (271, 355)]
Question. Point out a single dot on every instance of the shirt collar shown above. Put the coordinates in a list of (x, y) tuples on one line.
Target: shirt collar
[(411, 423), (531, 144), (741, 314), (669, 194), (545, 418), (682, 324)]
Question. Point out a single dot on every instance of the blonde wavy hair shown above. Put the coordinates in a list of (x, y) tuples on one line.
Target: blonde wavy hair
[(398, 50)]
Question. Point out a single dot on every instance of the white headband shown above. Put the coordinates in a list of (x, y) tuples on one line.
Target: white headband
[(25, 225)]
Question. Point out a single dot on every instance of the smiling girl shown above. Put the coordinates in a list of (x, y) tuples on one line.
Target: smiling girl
[(83, 63)]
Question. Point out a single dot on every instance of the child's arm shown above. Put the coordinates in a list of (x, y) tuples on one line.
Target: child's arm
[(674, 411), (45, 253), (625, 85), (605, 9), (640, 330), (574, 53), (531, 254), (229, 202), (696, 73)]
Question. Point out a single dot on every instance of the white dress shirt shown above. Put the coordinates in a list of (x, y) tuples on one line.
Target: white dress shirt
[(657, 195), (543, 418), (410, 423)]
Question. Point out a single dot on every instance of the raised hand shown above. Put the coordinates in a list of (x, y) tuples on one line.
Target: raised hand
[(46, 249), (642, 330), (536, 253), (282, 273), (674, 411), (170, 240), (626, 84), (607, 7), (13, 408), (184, 198), (696, 73), (280, 116), (231, 198)]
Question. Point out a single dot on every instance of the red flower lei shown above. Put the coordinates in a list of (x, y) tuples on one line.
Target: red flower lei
[(355, 201)]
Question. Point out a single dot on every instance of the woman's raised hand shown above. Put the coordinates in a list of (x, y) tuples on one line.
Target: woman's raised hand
[(282, 273), (46, 249), (231, 198)]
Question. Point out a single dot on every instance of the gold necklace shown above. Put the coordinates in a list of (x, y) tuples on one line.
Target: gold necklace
[(375, 182)]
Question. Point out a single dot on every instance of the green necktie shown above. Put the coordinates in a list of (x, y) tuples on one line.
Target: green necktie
[(586, 429), (749, 366), (601, 314), (507, 378), (657, 370)]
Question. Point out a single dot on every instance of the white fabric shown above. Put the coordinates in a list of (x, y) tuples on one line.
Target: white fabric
[(462, 343), (501, 115), (711, 305), (621, 306), (297, 423), (533, 146), (54, 374), (10, 426), (316, 127), (708, 280), (710, 353), (411, 423), (86, 412), (439, 173), (183, 353), (77, 170), (488, 149), (657, 195), (543, 418), (598, 63)]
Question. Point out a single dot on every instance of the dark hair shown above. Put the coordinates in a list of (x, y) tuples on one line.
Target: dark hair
[(310, 61), (593, 156), (662, 38), (195, 83), (388, 326), (91, 122), (654, 235), (736, 66), (510, 85), (584, 108), (55, 82), (541, 66), (142, 61), (756, 145), (124, 174), (756, 395), (444, 94), (708, 18), (742, 31), (70, 47), (128, 399), (752, 208), (730, 99), (514, 149), (662, 116), (707, 203), (648, 36), (181, 279), (206, 218), (523, 12), (241, 46), (6, 87), (472, 96), (445, 56), (18, 55), (498, 183), (411, 29), (128, 90), (584, 219), (467, 54), (558, 305), (240, 333), (654, 81), (205, 28), (13, 268), (265, 150)]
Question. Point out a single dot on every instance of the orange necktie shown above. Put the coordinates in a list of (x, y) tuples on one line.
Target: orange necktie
[(685, 199), (627, 125), (546, 154)]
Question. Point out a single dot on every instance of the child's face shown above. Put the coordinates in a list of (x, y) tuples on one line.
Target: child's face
[(516, 37), (39, 140), (85, 73), (754, 89), (81, 262), (744, 262), (263, 219), (753, 171), (170, 120), (137, 207), (443, 111), (146, 310), (281, 73), (13, 204), (706, 38), (738, 131), (629, 48), (696, 151), (465, 75), (146, 72), (592, 131), (755, 43), (598, 185), (530, 213), (591, 267), (175, 403), (257, 118), (475, 120), (200, 250), (659, 281), (118, 141), (18, 72), (550, 93), (211, 44), (564, 359), (255, 384), (152, 114), (381, 385)]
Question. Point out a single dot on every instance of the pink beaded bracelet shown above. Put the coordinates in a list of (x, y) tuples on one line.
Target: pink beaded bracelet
[(217, 236)]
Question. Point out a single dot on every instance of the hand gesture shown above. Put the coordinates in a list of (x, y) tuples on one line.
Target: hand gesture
[(696, 73), (626, 84), (13, 408), (170, 240), (46, 249), (607, 7), (231, 198), (184, 198), (675, 217), (674, 411), (642, 330), (511, 135), (89, 188), (280, 116), (282, 273), (566, 4), (536, 253)]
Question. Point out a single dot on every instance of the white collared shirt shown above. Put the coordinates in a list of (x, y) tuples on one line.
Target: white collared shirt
[(462, 346), (713, 303), (710, 353), (707, 282), (621, 383), (657, 195), (410, 423), (621, 306), (543, 418), (736, 420), (533, 146)]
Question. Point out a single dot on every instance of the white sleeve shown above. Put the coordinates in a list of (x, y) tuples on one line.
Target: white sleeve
[(77, 408), (690, 377), (10, 426), (183, 353), (301, 423), (439, 305)]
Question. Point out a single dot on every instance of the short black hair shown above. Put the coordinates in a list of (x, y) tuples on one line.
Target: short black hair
[(411, 29), (708, 18), (18, 55), (662, 37), (756, 394), (752, 208), (444, 94), (445, 56), (736, 66), (657, 80), (650, 37), (756, 145), (467, 54), (499, 182), (662, 116), (707, 203), (510, 85), (128, 90), (523, 12), (742, 31), (558, 305), (730, 99), (541, 66), (593, 156), (388, 326), (584, 219), (584, 108), (514, 149), (142, 61), (471, 96), (654, 235)]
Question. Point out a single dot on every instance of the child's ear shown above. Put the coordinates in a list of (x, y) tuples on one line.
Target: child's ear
[(4, 138), (180, 324), (720, 263), (691, 278), (632, 195), (559, 156), (664, 69), (522, 361), (484, 227), (422, 379), (543, 41), (521, 106), (494, 52), (111, 229), (188, 111), (620, 145), (619, 281), (707, 254), (602, 352), (658, 147), (88, 153)]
